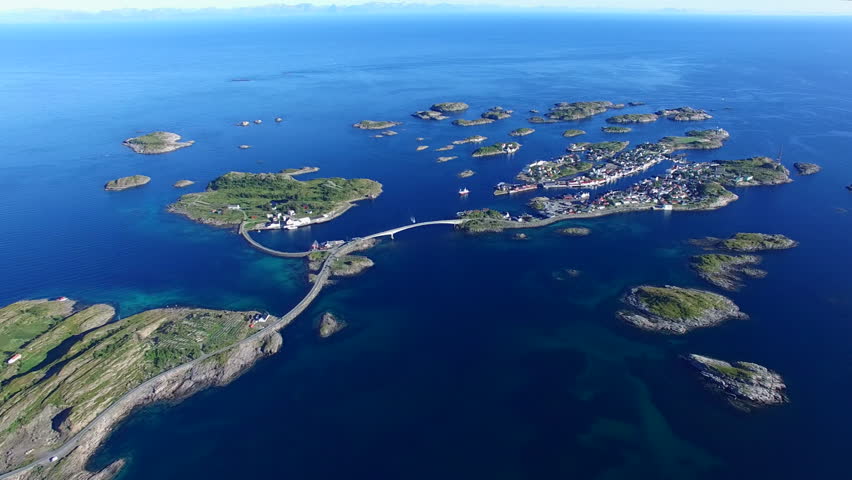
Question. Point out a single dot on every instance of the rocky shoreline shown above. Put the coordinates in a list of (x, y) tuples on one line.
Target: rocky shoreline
[(124, 183), (676, 310), (745, 386), (727, 271), (156, 143)]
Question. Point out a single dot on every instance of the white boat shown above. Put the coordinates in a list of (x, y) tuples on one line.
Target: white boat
[(463, 192)]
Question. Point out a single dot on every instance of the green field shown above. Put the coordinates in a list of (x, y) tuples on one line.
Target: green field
[(257, 194)]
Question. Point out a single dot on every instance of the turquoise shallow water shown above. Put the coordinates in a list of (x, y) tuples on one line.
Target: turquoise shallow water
[(465, 356)]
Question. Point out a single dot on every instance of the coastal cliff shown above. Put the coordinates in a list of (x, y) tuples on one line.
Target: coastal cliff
[(173, 385)]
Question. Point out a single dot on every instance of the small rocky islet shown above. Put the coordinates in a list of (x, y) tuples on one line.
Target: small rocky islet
[(156, 143), (676, 310), (744, 385), (375, 124), (697, 140), (807, 168), (685, 114), (466, 174), (497, 113), (329, 324), (616, 129), (726, 271), (183, 183), (634, 118), (521, 132), (439, 111), (124, 183), (574, 231)]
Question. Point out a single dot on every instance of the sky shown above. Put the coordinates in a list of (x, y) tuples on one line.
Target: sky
[(754, 6)]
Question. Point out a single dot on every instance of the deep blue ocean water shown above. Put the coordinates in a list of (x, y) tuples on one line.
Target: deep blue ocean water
[(465, 356)]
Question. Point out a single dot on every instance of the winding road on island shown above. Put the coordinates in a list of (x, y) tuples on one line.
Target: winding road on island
[(319, 282)]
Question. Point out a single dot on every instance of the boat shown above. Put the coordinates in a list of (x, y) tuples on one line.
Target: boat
[(464, 191)]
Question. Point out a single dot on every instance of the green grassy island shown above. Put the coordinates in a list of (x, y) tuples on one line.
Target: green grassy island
[(753, 171), (472, 123), (497, 113), (481, 221), (697, 140), (748, 242), (676, 310), (573, 133), (634, 118), (236, 197), (450, 107), (565, 111), (726, 271), (124, 183), (156, 143), (604, 148), (685, 114), (74, 362), (521, 132), (616, 129), (497, 149), (744, 385), (376, 125)]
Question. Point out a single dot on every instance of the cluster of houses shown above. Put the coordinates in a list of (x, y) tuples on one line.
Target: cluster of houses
[(681, 186), (289, 221), (624, 164), (317, 246)]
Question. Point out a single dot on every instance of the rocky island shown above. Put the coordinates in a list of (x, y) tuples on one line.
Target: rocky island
[(806, 168), (375, 125), (261, 200), (747, 242), (616, 129), (447, 159), (472, 139), (745, 386), (497, 149), (634, 118), (344, 266), (602, 148), (697, 140), (156, 143), (676, 310), (565, 111), (472, 123), (574, 231), (329, 325), (521, 132), (497, 113), (183, 183), (124, 183), (450, 107), (726, 271), (573, 133), (685, 114), (429, 115), (466, 174)]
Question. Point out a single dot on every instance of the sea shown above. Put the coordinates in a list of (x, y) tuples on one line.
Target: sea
[(465, 356)]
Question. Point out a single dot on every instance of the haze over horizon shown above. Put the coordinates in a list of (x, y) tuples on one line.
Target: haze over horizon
[(778, 7)]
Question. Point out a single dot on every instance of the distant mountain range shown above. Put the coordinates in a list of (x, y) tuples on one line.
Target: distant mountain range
[(282, 10)]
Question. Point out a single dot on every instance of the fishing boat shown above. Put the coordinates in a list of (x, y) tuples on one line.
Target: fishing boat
[(463, 192)]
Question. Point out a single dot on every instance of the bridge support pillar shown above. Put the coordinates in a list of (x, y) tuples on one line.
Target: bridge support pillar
[(391, 236)]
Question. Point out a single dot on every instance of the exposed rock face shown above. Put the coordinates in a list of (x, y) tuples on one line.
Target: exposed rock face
[(727, 271), (676, 310), (124, 183), (329, 325), (744, 385), (183, 183), (429, 115), (156, 143), (497, 113), (806, 168), (685, 114)]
